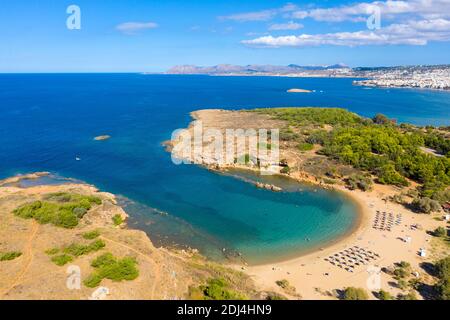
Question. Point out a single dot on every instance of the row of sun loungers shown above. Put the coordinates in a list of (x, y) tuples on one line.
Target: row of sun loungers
[(352, 258), (385, 221)]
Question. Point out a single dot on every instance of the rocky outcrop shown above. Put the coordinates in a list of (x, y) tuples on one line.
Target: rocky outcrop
[(268, 186)]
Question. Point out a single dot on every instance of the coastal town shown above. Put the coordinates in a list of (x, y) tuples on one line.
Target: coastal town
[(426, 77)]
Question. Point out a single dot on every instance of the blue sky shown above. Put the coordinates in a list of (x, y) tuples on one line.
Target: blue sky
[(140, 35)]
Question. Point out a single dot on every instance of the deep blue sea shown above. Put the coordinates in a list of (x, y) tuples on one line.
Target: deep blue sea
[(47, 120)]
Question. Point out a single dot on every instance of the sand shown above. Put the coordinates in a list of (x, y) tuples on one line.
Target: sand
[(313, 277)]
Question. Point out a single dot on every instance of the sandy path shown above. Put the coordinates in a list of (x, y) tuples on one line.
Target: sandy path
[(157, 268), (28, 257)]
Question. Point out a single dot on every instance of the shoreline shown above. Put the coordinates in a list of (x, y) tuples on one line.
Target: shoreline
[(360, 222)]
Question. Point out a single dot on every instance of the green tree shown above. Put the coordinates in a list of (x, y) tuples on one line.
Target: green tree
[(440, 232), (352, 293), (384, 295), (426, 205), (381, 119)]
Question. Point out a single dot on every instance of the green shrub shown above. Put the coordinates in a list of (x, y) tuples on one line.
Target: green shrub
[(80, 249), (329, 181), (91, 235), (79, 212), (402, 284), (426, 205), (272, 296), (440, 232), (443, 289), (352, 293), (409, 296), (283, 283), (60, 209), (305, 147), (404, 265), (62, 259), (288, 134), (93, 280), (381, 119), (109, 267), (217, 289), (400, 273), (358, 181), (52, 251), (10, 255), (384, 295), (117, 220), (442, 268), (285, 170)]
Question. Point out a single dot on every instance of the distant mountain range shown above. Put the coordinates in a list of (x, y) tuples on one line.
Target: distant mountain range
[(223, 69)]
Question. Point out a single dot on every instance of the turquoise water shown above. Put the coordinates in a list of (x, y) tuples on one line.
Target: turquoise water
[(49, 120)]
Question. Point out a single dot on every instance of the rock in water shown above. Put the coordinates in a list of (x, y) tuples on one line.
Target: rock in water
[(102, 138)]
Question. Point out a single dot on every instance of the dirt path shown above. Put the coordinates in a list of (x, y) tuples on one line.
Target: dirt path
[(27, 257), (157, 268)]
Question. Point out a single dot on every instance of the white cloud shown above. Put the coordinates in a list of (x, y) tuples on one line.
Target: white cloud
[(291, 25), (263, 15), (251, 16), (411, 33), (430, 9), (134, 27)]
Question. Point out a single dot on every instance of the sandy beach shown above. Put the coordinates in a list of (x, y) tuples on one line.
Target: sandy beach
[(314, 278)]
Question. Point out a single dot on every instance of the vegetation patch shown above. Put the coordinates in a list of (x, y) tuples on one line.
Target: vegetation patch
[(52, 251), (440, 232), (62, 259), (393, 153), (117, 220), (109, 267), (91, 235), (8, 256), (384, 295), (215, 289), (352, 293), (442, 287), (69, 253), (305, 147), (312, 116), (78, 250), (60, 209), (286, 286), (359, 181)]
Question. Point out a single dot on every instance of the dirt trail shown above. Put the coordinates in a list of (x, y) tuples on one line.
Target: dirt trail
[(27, 257), (157, 268)]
